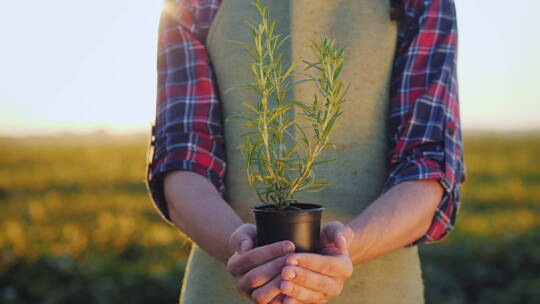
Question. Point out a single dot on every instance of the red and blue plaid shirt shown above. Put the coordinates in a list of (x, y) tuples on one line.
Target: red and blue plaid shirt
[(423, 122)]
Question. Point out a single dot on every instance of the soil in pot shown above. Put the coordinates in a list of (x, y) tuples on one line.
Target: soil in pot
[(300, 224)]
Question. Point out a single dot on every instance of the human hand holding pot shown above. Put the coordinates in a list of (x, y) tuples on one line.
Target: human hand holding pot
[(257, 270), (316, 278)]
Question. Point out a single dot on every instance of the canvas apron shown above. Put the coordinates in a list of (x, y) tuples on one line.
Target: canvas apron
[(360, 170)]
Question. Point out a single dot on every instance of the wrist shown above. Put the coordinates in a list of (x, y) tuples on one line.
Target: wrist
[(360, 246)]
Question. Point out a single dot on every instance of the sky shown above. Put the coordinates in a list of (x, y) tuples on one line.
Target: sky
[(81, 66)]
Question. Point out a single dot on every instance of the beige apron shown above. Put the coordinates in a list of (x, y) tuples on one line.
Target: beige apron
[(360, 138)]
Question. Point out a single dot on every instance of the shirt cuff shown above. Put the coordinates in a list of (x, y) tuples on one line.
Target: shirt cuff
[(446, 212), (156, 171)]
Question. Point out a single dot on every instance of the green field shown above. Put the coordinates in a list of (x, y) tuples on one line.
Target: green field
[(77, 225)]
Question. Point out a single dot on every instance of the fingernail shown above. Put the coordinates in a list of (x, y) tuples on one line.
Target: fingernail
[(289, 275), (288, 247), (293, 262), (244, 246), (343, 240), (285, 287)]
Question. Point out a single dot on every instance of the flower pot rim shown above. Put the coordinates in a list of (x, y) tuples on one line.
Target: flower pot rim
[(316, 208)]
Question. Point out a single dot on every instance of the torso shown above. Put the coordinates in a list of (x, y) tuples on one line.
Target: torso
[(360, 168)]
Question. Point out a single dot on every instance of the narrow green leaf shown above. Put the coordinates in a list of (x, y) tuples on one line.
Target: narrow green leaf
[(301, 81), (259, 159), (311, 65), (320, 162), (314, 187), (251, 133), (279, 111), (302, 105), (238, 117), (247, 105)]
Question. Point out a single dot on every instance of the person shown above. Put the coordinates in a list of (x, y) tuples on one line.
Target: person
[(399, 150)]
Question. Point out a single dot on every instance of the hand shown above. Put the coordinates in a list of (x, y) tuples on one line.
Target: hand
[(316, 278), (257, 270)]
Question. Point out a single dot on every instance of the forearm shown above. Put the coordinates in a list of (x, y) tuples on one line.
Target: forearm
[(198, 210), (397, 218)]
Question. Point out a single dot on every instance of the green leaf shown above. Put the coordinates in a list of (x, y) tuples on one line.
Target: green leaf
[(302, 105), (243, 44), (301, 81), (249, 20), (238, 117), (238, 87), (251, 133), (314, 187), (247, 105), (329, 126), (259, 159), (329, 144), (312, 65), (304, 138), (320, 162), (279, 111), (284, 180), (295, 63), (283, 40), (337, 72)]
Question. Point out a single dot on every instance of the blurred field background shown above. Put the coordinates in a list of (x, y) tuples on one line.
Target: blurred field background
[(77, 225)]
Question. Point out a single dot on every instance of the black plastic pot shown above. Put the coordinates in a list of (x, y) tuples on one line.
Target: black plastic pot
[(302, 227)]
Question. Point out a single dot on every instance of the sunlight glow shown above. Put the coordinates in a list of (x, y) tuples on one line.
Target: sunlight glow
[(80, 66)]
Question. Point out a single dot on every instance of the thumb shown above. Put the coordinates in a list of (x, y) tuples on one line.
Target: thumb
[(343, 237), (337, 235), (243, 238), (245, 245)]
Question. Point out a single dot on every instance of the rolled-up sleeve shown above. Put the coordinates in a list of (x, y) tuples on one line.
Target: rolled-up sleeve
[(188, 131), (424, 126)]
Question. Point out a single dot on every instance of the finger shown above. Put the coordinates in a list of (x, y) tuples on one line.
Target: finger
[(242, 263), (298, 292), (290, 300), (278, 299), (327, 234), (343, 237), (336, 234), (267, 293), (311, 280), (243, 238), (335, 266), (261, 275)]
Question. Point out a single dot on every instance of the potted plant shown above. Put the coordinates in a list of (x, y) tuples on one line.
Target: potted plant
[(278, 151)]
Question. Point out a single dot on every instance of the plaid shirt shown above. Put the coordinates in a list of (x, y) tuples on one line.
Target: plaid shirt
[(423, 122)]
